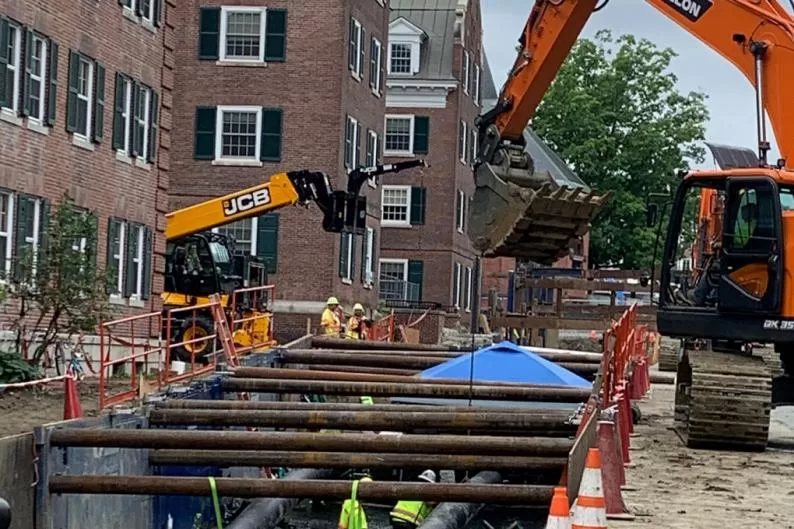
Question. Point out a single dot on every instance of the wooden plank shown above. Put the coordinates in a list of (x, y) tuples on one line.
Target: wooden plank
[(572, 324), (17, 477)]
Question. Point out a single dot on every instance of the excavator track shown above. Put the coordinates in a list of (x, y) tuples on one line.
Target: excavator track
[(728, 403)]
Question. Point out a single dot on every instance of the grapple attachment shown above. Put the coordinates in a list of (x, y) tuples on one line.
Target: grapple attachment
[(527, 215)]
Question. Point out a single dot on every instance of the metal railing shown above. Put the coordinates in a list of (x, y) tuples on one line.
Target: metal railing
[(252, 318)]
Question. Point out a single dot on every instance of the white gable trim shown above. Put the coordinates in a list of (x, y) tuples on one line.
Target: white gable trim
[(402, 27)]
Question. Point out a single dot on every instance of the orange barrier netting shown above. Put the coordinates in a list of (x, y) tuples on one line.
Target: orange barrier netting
[(383, 329), (252, 318)]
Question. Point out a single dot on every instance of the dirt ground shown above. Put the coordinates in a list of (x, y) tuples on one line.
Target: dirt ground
[(22, 410), (681, 488)]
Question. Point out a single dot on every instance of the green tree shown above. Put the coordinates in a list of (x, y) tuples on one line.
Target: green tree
[(58, 289), (614, 114)]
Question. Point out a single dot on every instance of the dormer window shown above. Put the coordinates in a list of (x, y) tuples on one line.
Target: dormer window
[(405, 41)]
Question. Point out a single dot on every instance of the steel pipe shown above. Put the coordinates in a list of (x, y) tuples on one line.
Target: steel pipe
[(299, 374), (322, 342), (308, 442), (548, 423), (265, 513), (382, 352), (457, 515), (373, 389), (353, 369), (190, 404), (361, 359), (281, 488), (345, 460)]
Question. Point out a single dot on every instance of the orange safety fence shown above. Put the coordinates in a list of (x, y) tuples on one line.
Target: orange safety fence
[(252, 318), (181, 318), (129, 334), (383, 329)]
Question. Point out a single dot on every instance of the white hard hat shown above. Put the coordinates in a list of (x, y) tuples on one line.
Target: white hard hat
[(358, 306), (428, 475)]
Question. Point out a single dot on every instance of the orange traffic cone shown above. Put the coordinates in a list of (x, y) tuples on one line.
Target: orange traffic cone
[(71, 400), (589, 511), (559, 514)]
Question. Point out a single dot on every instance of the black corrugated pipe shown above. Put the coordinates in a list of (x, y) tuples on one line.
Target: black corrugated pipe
[(265, 513), (457, 515)]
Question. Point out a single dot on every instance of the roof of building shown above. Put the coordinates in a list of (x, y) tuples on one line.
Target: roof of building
[(437, 19), (488, 90)]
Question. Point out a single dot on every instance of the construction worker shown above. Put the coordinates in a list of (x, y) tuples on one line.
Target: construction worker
[(411, 514), (352, 515), (330, 321), (356, 328)]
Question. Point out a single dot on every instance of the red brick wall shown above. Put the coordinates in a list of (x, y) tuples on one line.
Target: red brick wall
[(315, 91), (47, 165)]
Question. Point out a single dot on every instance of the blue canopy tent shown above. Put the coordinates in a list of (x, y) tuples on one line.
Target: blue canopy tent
[(501, 362)]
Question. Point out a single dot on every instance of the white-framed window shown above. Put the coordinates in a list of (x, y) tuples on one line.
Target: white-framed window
[(393, 279), (242, 34), (462, 137), (396, 205), (465, 72), (375, 57), (347, 261), (117, 257), (243, 232), (136, 238), (467, 289), (13, 70), (352, 142), (473, 144), (400, 58), (476, 87), (460, 221), (457, 277), (239, 133), (355, 46), (141, 124), (126, 140), (84, 107), (368, 265), (6, 231), (373, 148), (38, 78), (399, 135)]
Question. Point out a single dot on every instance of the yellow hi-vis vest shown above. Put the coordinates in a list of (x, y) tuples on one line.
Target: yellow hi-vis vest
[(352, 516), (413, 512), (367, 400)]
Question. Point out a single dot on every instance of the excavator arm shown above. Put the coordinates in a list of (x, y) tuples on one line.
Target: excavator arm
[(520, 213), (340, 209)]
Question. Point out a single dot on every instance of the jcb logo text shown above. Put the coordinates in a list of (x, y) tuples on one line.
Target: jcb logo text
[(246, 201)]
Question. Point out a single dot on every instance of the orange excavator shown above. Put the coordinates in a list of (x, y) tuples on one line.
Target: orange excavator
[(746, 217)]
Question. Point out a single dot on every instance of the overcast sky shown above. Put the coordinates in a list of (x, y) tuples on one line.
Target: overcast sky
[(731, 98)]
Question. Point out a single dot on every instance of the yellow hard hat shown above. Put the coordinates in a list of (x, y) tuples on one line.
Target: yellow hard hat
[(332, 301), (365, 478), (358, 306)]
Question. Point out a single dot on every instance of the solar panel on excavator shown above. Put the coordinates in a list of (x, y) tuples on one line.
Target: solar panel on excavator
[(730, 157)]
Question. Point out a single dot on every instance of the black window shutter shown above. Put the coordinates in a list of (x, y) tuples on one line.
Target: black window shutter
[(44, 226), (139, 8), (114, 227), (418, 202), (415, 275), (5, 87), (204, 148), (267, 241), (458, 207), (71, 101), (24, 211), (343, 245), (52, 90), (209, 32), (118, 110), (135, 139), (374, 67), (362, 60), (154, 113), (364, 242), (26, 101), (383, 55), (349, 130), (99, 103), (352, 239), (148, 242), (351, 52), (158, 13), (374, 258), (92, 241), (421, 134), (455, 284), (272, 121), (131, 278), (357, 139), (461, 140), (276, 35)]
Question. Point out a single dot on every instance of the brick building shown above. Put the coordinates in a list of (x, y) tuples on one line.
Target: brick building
[(85, 109), (434, 71), (280, 86)]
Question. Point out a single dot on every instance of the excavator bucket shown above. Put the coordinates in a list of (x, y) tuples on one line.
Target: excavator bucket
[(529, 217)]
